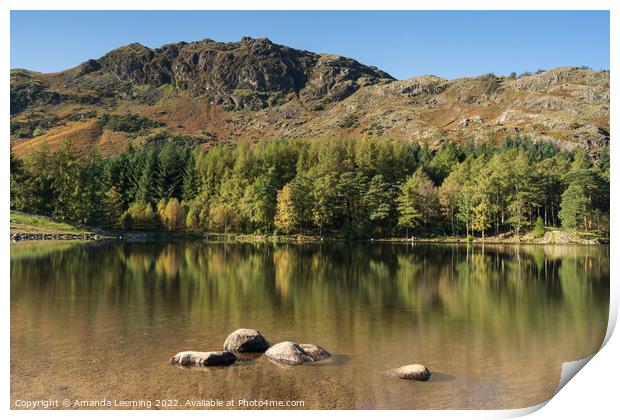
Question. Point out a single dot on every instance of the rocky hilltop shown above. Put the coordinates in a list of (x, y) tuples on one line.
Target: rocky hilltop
[(252, 89), (249, 74)]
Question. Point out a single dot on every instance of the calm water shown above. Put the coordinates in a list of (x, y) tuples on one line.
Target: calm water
[(494, 324)]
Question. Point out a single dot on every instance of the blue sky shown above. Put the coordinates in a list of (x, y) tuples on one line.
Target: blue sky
[(405, 44)]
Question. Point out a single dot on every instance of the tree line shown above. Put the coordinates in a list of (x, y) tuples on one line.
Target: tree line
[(351, 188)]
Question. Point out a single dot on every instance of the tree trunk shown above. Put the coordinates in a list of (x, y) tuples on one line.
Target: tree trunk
[(452, 222)]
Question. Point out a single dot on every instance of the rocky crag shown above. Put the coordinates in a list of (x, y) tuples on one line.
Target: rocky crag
[(252, 89)]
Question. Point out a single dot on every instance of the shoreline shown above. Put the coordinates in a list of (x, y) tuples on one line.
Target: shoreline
[(29, 227), (551, 237)]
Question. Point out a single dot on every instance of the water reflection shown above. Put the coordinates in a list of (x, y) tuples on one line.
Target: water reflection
[(498, 321)]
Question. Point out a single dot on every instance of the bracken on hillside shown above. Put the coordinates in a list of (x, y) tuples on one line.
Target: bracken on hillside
[(255, 89)]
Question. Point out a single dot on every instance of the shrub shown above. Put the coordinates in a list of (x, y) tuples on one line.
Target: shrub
[(348, 121), (539, 227), (34, 125), (81, 115), (129, 123), (38, 132)]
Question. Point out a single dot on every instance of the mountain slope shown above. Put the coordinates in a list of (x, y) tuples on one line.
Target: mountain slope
[(252, 89)]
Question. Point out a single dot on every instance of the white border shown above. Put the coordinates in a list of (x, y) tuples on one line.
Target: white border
[(592, 394)]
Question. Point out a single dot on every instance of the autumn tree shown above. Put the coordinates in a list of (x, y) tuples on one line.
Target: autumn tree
[(113, 208), (285, 218), (173, 215), (223, 217)]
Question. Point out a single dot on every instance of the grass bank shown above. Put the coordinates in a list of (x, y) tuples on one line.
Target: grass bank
[(31, 224)]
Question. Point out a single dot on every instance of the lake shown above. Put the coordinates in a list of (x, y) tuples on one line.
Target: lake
[(494, 323)]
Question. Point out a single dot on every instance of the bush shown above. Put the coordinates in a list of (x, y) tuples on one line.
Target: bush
[(35, 125), (80, 115), (539, 227), (129, 123), (469, 238), (38, 132), (348, 121)]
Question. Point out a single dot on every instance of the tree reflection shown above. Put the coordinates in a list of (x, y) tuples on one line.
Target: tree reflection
[(499, 307)]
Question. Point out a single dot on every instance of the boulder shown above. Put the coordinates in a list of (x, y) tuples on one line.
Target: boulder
[(289, 353), (416, 371), (203, 358), (246, 340), (294, 353), (315, 352)]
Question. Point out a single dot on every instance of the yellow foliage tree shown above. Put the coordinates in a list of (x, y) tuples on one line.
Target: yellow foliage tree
[(285, 216), (173, 215)]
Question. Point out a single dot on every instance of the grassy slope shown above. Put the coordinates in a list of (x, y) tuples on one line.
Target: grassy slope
[(21, 223), (539, 108)]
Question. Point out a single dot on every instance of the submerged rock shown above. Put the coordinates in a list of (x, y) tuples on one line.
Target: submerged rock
[(289, 353), (246, 340), (316, 353), (416, 371), (203, 358)]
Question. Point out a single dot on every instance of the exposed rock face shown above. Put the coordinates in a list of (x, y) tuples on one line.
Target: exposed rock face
[(416, 86), (415, 371), (246, 340), (465, 122), (252, 73), (205, 89), (202, 358)]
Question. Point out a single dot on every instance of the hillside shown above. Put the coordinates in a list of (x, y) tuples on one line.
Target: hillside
[(253, 89)]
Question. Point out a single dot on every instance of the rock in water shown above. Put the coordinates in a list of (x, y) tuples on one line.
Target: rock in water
[(316, 353), (203, 358), (246, 340), (289, 353), (416, 372)]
